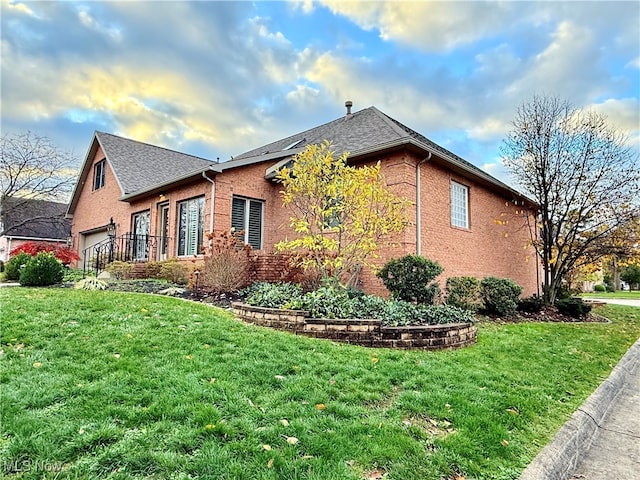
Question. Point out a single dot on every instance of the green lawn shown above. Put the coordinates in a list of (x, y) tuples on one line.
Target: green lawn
[(635, 294), (117, 385)]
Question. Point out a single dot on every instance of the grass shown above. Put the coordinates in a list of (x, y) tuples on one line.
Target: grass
[(120, 385), (635, 294)]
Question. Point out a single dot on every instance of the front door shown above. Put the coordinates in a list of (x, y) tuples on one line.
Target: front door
[(163, 231), (141, 236)]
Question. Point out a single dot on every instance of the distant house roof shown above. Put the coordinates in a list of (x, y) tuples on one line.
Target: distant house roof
[(28, 218)]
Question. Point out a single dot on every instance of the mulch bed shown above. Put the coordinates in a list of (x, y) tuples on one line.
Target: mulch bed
[(548, 314)]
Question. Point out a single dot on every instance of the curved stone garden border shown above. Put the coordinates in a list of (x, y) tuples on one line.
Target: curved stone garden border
[(369, 333)]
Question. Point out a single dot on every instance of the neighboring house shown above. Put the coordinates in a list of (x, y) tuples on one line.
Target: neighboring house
[(27, 220), (164, 202)]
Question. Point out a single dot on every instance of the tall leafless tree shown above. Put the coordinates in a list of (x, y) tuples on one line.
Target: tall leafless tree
[(32, 168), (583, 174)]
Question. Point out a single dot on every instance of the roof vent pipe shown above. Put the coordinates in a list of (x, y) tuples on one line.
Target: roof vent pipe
[(348, 104)]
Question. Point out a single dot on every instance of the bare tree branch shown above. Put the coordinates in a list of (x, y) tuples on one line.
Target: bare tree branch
[(584, 176)]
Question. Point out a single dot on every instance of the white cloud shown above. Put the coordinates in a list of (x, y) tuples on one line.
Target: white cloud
[(17, 7), (428, 25)]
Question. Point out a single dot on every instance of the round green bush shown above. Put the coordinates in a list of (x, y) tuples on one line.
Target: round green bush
[(464, 292), (599, 288), (15, 265), (573, 307), (500, 295), (408, 278), (42, 270)]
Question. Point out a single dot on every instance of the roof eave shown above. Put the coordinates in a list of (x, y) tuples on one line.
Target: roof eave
[(130, 197)]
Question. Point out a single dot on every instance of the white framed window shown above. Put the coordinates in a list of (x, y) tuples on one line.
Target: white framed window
[(246, 216), (459, 205), (99, 174), (190, 226)]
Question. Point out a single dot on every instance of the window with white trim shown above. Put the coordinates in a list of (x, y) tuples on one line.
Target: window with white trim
[(99, 174), (246, 216), (459, 205), (190, 226)]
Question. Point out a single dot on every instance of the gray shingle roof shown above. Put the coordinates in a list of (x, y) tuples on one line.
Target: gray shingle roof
[(22, 217), (139, 166), (362, 130)]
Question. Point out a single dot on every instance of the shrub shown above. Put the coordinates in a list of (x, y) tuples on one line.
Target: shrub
[(532, 304), (120, 270), (227, 263), (42, 270), (174, 271), (408, 278), (599, 288), (15, 265), (90, 283), (401, 313), (325, 302), (62, 252), (1, 266), (439, 314), (272, 295), (500, 295), (149, 269), (573, 307), (464, 292)]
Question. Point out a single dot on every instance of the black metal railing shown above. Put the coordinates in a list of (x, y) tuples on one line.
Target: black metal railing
[(129, 247)]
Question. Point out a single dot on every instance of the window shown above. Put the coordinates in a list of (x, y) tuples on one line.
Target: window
[(140, 229), (246, 215), (459, 205), (98, 174), (190, 226)]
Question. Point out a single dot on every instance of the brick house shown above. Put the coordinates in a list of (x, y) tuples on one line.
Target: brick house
[(162, 202), (25, 220)]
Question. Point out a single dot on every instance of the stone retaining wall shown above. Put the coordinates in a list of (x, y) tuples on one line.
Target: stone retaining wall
[(370, 333)]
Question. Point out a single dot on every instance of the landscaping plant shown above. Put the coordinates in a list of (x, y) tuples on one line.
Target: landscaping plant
[(15, 265), (500, 295), (410, 278), (62, 252), (42, 270), (227, 263), (464, 292), (573, 307), (341, 214)]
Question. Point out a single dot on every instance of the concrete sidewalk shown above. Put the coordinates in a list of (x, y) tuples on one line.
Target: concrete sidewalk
[(601, 440), (629, 302)]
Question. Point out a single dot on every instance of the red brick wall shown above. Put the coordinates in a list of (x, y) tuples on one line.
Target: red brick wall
[(496, 244)]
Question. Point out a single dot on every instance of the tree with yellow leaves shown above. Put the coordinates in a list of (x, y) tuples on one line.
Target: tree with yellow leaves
[(342, 213)]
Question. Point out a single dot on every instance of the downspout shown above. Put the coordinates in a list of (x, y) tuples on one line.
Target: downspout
[(419, 206), (213, 196)]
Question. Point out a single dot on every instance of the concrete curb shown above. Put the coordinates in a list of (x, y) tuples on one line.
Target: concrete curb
[(558, 460)]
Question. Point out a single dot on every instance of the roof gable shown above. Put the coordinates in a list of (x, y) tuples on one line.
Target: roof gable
[(139, 166)]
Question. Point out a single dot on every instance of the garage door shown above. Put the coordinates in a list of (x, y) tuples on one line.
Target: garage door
[(90, 239)]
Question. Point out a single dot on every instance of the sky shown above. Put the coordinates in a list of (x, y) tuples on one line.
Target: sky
[(215, 79)]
